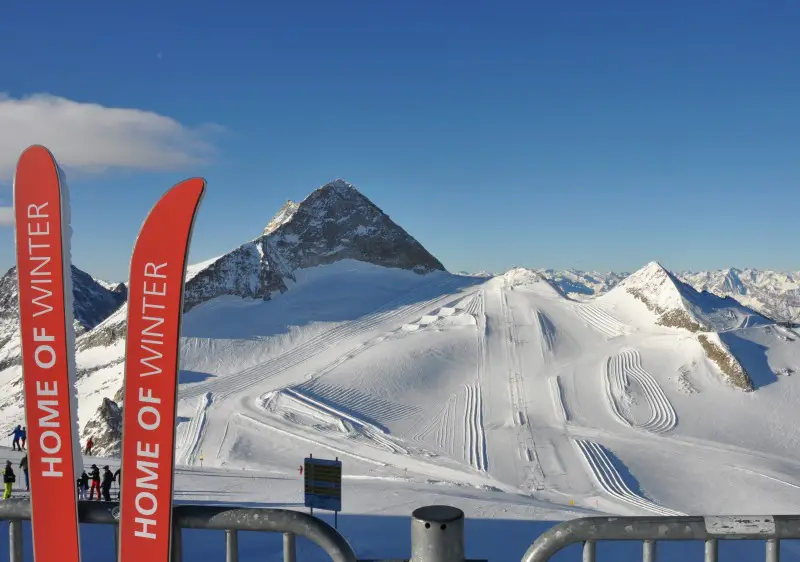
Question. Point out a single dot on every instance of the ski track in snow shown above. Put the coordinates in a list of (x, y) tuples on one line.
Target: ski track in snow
[(192, 435), (474, 434), (374, 433), (525, 441), (406, 305), (600, 320), (558, 398), (620, 370), (547, 330), (610, 480)]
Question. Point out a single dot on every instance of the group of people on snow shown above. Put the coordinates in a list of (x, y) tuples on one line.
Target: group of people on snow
[(97, 483), (86, 483)]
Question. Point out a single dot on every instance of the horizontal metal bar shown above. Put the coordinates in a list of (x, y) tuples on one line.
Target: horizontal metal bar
[(216, 517), (661, 529)]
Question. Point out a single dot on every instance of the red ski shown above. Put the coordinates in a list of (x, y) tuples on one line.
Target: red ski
[(155, 307), (44, 278)]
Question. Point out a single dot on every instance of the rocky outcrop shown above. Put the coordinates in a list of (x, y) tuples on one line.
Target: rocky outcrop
[(92, 304), (105, 429)]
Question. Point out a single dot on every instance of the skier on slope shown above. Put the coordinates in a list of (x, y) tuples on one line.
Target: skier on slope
[(8, 480), (89, 445), (23, 465), (95, 476), (108, 479), (17, 433), (23, 436)]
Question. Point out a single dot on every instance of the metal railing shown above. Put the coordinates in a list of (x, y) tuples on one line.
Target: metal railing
[(212, 517), (651, 530)]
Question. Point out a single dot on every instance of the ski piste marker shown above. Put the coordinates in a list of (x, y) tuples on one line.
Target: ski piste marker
[(155, 308), (44, 286)]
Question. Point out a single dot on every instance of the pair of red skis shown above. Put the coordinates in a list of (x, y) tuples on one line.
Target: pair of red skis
[(155, 306)]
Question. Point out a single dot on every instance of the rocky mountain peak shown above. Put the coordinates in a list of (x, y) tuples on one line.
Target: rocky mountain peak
[(337, 222)]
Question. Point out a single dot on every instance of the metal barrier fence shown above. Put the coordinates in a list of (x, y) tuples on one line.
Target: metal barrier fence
[(229, 519), (651, 530)]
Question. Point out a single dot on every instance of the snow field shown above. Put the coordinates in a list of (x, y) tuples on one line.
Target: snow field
[(403, 306), (626, 382)]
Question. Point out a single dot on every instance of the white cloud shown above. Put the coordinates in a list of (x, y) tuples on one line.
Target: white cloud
[(6, 216), (91, 138)]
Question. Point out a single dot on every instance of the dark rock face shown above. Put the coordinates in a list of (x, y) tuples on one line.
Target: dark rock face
[(92, 303), (336, 222), (105, 429)]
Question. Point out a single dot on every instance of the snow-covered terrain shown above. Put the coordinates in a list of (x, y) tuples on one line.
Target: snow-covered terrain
[(335, 333)]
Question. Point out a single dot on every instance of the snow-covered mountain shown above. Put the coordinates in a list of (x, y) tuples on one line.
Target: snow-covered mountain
[(334, 331), (93, 302), (772, 293)]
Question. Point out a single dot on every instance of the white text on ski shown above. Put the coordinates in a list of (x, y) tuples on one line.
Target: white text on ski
[(47, 402), (149, 415)]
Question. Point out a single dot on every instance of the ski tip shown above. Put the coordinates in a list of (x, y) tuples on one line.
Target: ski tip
[(36, 153), (192, 185)]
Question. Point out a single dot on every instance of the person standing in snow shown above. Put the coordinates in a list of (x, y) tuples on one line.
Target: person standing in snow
[(17, 433), (23, 465), (108, 479), (23, 437), (83, 485), (95, 475), (8, 480), (88, 450), (118, 480)]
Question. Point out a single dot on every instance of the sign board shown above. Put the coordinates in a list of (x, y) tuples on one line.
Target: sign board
[(323, 484)]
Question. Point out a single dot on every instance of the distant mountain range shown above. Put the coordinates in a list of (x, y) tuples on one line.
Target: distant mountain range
[(334, 223)]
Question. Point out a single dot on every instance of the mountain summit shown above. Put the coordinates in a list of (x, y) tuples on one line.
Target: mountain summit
[(337, 222)]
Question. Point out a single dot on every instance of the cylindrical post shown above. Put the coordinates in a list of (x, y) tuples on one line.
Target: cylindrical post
[(648, 551), (15, 540), (773, 550), (116, 542), (437, 534), (231, 545), (589, 548), (711, 551), (177, 543), (289, 547)]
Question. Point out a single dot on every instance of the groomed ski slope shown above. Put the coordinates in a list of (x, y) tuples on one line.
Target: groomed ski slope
[(499, 383)]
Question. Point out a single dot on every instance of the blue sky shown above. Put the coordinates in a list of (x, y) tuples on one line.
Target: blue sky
[(594, 135)]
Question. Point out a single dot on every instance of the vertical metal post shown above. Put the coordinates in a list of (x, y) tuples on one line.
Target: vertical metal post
[(177, 542), (773, 550), (437, 534), (711, 551), (589, 549), (116, 543), (231, 545), (289, 547), (15, 540), (648, 551)]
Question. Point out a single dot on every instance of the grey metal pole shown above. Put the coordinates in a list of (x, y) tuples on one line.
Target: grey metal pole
[(15, 540), (648, 551), (711, 551), (773, 550), (177, 543), (289, 547), (437, 534), (589, 550), (231, 545)]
